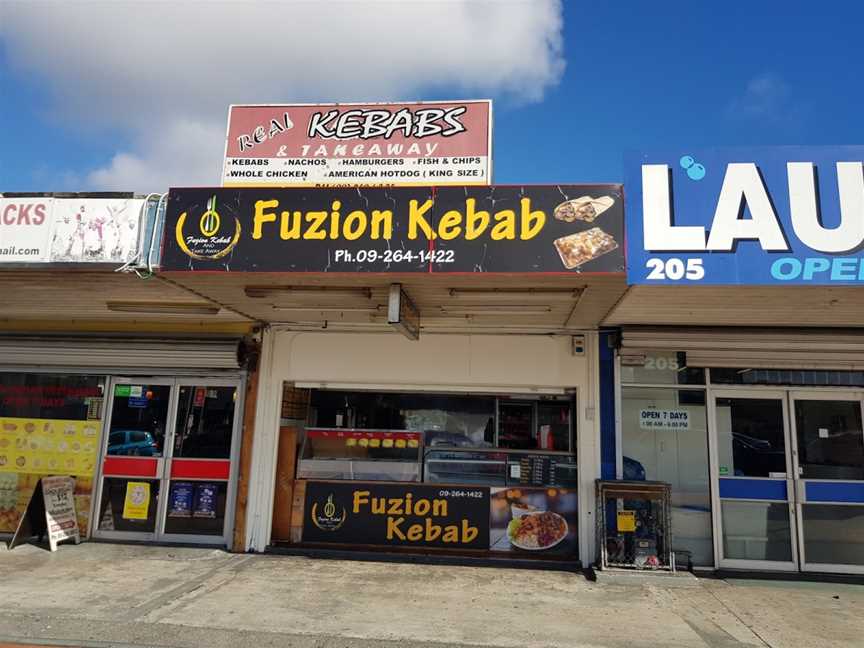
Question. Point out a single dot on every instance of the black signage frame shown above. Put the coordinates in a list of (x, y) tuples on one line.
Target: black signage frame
[(531, 229)]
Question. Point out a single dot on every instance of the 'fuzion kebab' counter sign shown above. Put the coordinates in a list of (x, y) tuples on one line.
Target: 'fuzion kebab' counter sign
[(509, 229)]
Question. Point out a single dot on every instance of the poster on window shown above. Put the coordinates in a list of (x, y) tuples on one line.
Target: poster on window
[(205, 501), (664, 419)]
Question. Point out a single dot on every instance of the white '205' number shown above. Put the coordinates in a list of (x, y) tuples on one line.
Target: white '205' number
[(675, 269)]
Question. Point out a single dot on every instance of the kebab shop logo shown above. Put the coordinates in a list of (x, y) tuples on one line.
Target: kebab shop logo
[(326, 518), (209, 242)]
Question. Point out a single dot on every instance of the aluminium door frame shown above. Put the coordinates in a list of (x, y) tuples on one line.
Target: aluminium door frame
[(164, 462), (237, 383), (800, 482), (139, 536), (716, 501)]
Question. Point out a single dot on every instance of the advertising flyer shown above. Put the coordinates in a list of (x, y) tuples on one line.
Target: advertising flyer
[(552, 229), (205, 501), (136, 504), (376, 144), (62, 522), (180, 500), (48, 446)]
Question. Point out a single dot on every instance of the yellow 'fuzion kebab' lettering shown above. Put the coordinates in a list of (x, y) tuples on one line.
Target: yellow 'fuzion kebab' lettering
[(397, 508), (320, 224), (523, 223)]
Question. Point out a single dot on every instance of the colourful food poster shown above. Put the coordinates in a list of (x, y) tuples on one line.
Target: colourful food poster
[(49, 446), (137, 502), (534, 520)]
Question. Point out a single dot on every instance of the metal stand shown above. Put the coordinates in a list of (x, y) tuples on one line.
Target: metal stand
[(634, 525)]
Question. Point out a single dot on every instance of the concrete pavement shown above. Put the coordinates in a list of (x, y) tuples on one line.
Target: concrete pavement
[(124, 595)]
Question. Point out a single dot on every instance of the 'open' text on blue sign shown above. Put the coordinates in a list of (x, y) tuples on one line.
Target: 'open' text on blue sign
[(785, 215)]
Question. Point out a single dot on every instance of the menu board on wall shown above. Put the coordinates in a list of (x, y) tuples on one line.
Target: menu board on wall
[(48, 446), (541, 470)]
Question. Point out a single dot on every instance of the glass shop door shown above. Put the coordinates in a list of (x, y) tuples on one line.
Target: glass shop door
[(168, 468), (752, 481), (829, 480)]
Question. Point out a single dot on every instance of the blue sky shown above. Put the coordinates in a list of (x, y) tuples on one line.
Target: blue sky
[(637, 76)]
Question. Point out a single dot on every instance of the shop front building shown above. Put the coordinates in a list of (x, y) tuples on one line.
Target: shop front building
[(426, 386), (128, 384), (745, 393)]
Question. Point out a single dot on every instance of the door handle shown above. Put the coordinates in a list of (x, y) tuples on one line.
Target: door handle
[(797, 487)]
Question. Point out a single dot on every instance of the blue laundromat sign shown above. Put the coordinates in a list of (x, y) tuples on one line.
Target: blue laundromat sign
[(784, 215)]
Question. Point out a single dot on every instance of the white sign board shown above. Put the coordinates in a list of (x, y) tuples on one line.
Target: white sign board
[(375, 144), (25, 229), (662, 419), (60, 516), (69, 230)]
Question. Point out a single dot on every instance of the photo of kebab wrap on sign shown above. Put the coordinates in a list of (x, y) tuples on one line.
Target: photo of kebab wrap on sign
[(585, 209)]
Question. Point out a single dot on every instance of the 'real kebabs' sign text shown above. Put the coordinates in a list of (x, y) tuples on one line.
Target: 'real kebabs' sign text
[(359, 144), (512, 229)]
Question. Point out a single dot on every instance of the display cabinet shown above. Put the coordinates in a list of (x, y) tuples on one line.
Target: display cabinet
[(370, 455)]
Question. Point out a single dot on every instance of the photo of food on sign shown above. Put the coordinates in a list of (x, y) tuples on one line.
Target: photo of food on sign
[(533, 520), (553, 229)]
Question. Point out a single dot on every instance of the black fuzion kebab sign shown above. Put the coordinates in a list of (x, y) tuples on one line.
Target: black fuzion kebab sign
[(545, 229), (396, 514)]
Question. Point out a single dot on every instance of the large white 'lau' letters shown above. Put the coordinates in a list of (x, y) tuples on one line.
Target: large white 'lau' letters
[(743, 185), (804, 211), (658, 231)]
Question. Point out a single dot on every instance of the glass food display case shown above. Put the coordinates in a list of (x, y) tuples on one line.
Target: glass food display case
[(370, 455)]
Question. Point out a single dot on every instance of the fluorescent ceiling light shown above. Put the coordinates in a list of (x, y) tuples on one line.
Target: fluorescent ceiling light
[(163, 308), (490, 310), (259, 292), (520, 293), (329, 309)]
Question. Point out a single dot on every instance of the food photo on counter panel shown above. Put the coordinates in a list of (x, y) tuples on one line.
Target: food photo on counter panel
[(534, 521)]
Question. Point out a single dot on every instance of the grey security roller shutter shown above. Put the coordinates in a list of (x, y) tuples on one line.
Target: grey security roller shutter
[(820, 349), (119, 352)]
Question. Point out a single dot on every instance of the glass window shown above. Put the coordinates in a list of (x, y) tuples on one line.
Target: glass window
[(792, 377), (663, 369), (205, 422), (196, 508), (751, 439), (129, 504), (830, 440), (756, 531), (833, 535), (665, 438), (49, 424), (139, 414), (451, 420)]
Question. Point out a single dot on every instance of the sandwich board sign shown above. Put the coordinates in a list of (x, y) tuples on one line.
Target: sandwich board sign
[(51, 512)]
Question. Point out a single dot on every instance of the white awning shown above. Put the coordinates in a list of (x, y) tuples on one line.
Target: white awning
[(120, 353), (818, 349)]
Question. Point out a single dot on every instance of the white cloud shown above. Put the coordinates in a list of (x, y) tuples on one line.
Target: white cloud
[(764, 96), (166, 71)]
